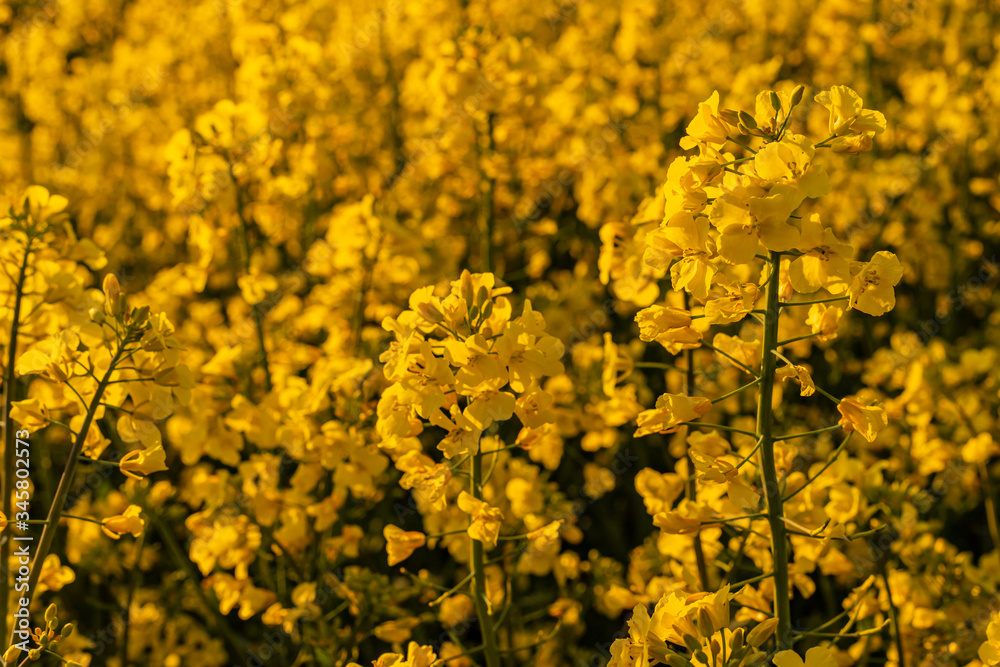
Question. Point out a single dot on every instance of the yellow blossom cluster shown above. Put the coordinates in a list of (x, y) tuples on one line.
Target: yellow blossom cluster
[(449, 333)]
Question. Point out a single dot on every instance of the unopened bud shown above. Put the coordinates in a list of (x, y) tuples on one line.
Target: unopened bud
[(67, 630), (775, 101), (705, 625), (736, 643), (762, 632), (50, 613), (797, 94), (112, 294), (691, 642), (747, 120), (678, 660), (10, 655), (730, 116)]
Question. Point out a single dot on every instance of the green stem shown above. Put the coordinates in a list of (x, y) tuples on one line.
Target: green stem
[(731, 358), (752, 580), (479, 575), (793, 436), (798, 338), (785, 304), (740, 143), (765, 419), (7, 483), (720, 427), (894, 615), (829, 463), (655, 364), (59, 501), (735, 391)]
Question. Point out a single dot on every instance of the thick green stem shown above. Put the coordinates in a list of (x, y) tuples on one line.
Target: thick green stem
[(765, 418), (7, 483), (479, 575)]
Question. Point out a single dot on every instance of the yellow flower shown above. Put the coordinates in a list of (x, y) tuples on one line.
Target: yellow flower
[(402, 543), (800, 373), (30, 413), (616, 368), (979, 449), (789, 162), (824, 320), (989, 651), (735, 302), (671, 410), (486, 520), (817, 656), (871, 292), (255, 286), (748, 216), (825, 262), (42, 206), (141, 462), (706, 127), (127, 522), (846, 113), (866, 420), (670, 327), (844, 503)]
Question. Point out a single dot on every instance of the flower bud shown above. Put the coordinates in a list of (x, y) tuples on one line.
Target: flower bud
[(730, 116), (737, 641), (50, 613), (797, 94), (10, 655), (762, 632), (775, 101), (747, 120), (705, 625), (112, 294), (67, 630), (678, 660)]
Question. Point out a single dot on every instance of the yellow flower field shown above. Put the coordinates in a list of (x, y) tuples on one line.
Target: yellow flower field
[(420, 333)]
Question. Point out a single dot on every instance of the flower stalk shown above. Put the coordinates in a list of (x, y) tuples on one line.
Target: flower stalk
[(765, 419), (479, 574)]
